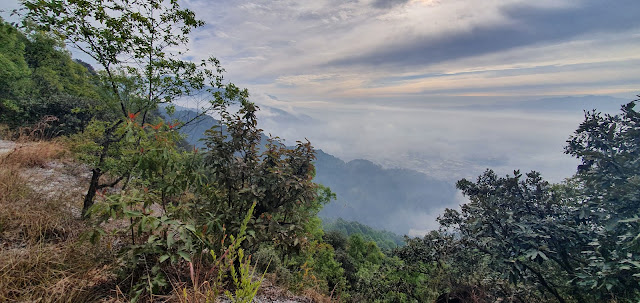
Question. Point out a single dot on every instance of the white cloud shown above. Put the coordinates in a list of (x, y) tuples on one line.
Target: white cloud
[(386, 100)]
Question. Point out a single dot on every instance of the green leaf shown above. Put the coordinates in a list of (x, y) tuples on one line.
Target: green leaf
[(185, 256), (132, 213), (542, 255), (152, 239), (170, 239), (630, 220), (190, 227)]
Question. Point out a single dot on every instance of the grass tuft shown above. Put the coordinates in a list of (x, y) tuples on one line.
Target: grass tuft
[(34, 154), (42, 258)]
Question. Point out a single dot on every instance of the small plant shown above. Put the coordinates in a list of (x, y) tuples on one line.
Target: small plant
[(214, 279), (245, 288)]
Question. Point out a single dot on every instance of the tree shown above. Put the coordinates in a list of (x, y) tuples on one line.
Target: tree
[(609, 196), (276, 177), (449, 267), (139, 41), (525, 229), (14, 71)]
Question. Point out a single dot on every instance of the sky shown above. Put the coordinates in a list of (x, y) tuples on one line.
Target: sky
[(396, 81), (422, 52), (420, 84)]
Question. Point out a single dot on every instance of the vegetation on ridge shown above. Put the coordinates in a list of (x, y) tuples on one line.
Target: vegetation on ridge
[(161, 222)]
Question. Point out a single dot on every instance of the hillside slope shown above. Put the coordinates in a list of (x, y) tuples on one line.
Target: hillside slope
[(43, 255), (391, 199)]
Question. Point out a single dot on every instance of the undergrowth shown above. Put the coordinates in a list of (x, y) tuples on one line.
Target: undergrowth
[(45, 255)]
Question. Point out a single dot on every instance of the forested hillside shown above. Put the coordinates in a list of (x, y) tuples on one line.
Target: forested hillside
[(101, 200), (387, 199), (385, 240), (390, 199), (39, 78)]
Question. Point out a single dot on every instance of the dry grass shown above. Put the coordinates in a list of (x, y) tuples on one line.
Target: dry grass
[(52, 273), (41, 256), (34, 154), (5, 132)]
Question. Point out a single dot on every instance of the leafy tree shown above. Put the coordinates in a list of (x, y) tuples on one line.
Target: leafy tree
[(136, 41), (609, 196), (390, 281), (446, 267), (524, 228), (278, 179), (362, 251)]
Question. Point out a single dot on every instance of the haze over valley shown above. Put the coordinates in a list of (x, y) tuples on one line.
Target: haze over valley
[(396, 169), (199, 151)]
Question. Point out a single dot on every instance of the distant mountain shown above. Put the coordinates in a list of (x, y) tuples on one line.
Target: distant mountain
[(386, 240), (389, 199)]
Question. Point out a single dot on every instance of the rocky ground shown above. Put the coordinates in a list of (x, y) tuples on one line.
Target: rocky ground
[(6, 146)]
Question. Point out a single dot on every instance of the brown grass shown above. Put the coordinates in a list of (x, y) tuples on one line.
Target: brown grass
[(41, 256), (5, 132), (34, 154), (52, 273)]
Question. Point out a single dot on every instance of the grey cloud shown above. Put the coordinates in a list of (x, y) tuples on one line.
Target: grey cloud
[(310, 16), (534, 26), (388, 3)]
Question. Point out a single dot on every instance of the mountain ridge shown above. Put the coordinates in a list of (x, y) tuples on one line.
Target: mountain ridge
[(393, 199)]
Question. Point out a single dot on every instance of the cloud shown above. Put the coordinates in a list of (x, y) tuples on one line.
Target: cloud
[(330, 52), (389, 80), (388, 3), (519, 24)]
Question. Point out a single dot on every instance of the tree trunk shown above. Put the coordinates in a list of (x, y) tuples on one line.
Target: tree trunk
[(544, 283), (91, 193), (94, 184)]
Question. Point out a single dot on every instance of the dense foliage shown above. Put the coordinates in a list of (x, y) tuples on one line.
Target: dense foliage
[(608, 195), (38, 78), (523, 239), (181, 214)]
